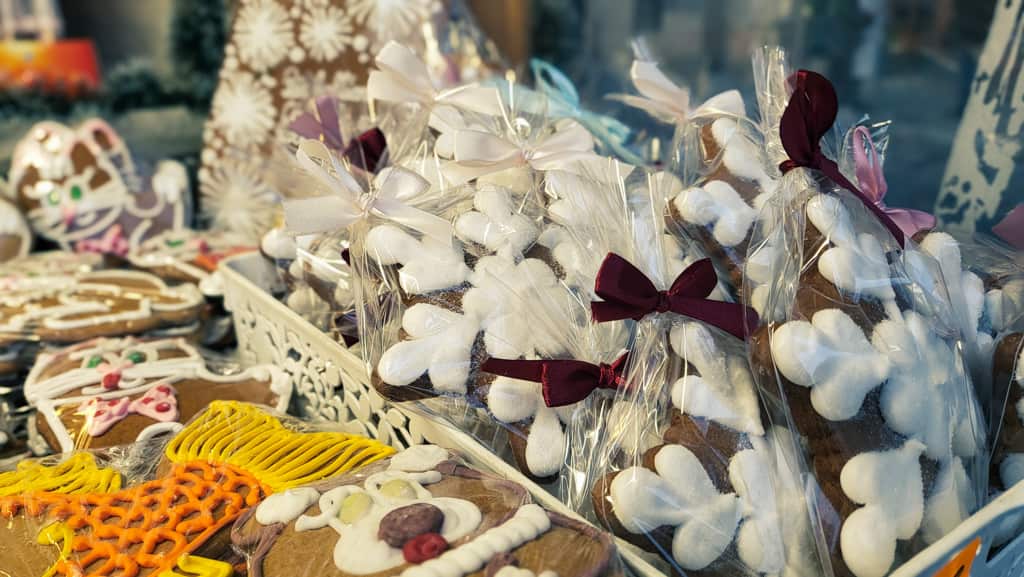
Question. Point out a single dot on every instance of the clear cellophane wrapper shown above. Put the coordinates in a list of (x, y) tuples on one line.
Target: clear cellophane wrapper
[(718, 156), (686, 467), (513, 284), (166, 505), (859, 356)]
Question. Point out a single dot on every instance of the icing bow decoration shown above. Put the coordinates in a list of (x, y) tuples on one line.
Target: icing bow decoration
[(160, 403), (478, 153), (564, 102), (365, 151), (670, 103), (401, 77), (872, 184), (809, 115), (563, 382), (1011, 228), (386, 199), (628, 294), (112, 242)]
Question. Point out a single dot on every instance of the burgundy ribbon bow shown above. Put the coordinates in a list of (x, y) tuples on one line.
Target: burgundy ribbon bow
[(628, 294), (364, 151), (808, 117), (563, 382)]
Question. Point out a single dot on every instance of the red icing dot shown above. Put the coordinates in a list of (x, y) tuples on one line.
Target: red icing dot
[(111, 403), (110, 380), (423, 547), (164, 389), (163, 407), (99, 413), (146, 401)]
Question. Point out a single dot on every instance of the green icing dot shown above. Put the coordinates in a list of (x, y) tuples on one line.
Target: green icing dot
[(94, 361), (172, 242), (53, 197), (136, 357), (76, 192)]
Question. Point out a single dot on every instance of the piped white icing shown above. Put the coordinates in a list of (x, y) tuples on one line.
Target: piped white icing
[(889, 486), (496, 224), (1011, 470), (418, 458), (856, 264), (831, 355), (278, 244), (285, 506), (950, 502), (924, 397), (759, 539), (439, 344), (724, 390), (678, 494), (717, 204), (427, 264)]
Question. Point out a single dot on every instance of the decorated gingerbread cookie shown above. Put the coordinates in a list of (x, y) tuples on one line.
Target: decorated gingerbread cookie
[(419, 514), (98, 303), (188, 255), (54, 263), (15, 236), (60, 519), (108, 392), (80, 188)]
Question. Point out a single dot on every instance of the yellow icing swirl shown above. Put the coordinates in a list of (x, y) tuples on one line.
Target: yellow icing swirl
[(242, 435), (53, 534), (200, 567), (78, 474)]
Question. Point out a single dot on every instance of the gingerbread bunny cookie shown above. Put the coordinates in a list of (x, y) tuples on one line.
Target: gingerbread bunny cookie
[(108, 392)]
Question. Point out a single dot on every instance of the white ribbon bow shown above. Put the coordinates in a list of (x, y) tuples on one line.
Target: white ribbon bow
[(402, 77), (391, 188), (479, 153), (664, 100)]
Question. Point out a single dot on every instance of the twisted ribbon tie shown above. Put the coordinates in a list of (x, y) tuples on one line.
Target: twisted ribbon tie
[(628, 294), (872, 184), (563, 382), (365, 151), (401, 77), (809, 115), (390, 190), (564, 102), (1011, 228), (670, 103), (478, 153), (112, 242)]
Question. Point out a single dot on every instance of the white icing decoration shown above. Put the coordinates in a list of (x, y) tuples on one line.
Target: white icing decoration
[(427, 264), (278, 244), (418, 458), (513, 571), (717, 204), (966, 291), (888, 484), (759, 539), (495, 224), (1011, 470), (440, 342), (856, 264), (950, 502), (528, 523), (724, 390), (681, 495), (923, 397), (741, 157), (286, 506), (831, 355), (545, 445), (53, 395), (461, 518)]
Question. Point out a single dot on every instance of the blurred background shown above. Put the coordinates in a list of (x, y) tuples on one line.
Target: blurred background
[(150, 66)]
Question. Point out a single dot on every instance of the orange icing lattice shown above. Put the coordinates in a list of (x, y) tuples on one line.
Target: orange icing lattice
[(146, 528)]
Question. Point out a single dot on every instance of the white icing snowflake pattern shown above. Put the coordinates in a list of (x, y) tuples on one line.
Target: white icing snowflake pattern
[(325, 31), (263, 34), (243, 109), (237, 198), (392, 19)]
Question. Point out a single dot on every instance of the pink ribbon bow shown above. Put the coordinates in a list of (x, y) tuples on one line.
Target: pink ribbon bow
[(160, 403), (323, 126), (112, 242), (1011, 228), (872, 184)]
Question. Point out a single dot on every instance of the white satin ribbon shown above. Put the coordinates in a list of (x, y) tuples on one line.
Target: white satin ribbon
[(403, 78), (478, 153), (664, 100), (390, 191)]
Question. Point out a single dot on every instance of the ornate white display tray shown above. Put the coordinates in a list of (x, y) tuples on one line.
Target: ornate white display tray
[(332, 384)]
